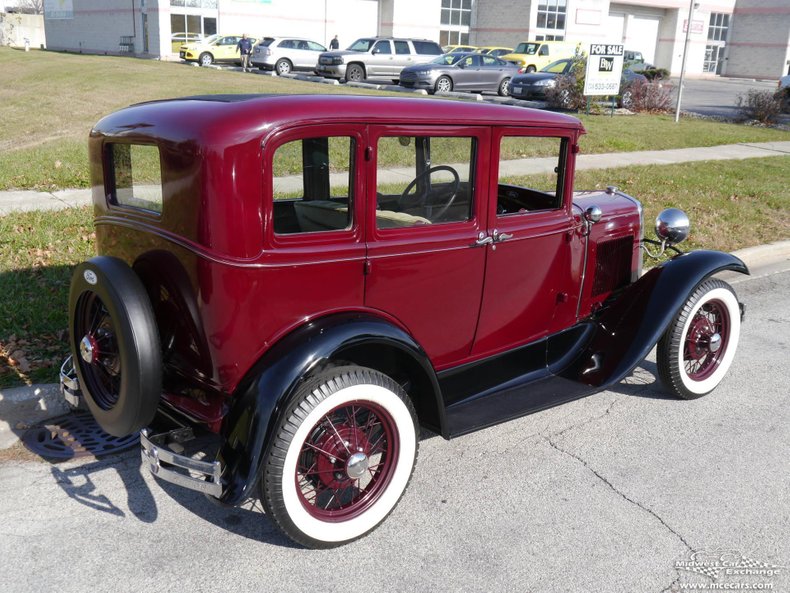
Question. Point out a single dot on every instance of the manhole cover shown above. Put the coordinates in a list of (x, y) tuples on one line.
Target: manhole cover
[(75, 435)]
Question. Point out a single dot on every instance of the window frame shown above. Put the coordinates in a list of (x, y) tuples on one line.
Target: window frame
[(110, 195), (354, 233), (479, 135)]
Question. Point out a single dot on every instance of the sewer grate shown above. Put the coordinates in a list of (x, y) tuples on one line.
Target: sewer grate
[(75, 435)]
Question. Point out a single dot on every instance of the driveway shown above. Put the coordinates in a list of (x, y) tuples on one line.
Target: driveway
[(621, 491)]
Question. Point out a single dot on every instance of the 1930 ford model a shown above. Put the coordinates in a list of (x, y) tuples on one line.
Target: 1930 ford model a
[(312, 278)]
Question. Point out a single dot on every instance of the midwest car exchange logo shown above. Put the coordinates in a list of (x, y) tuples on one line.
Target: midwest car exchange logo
[(728, 563)]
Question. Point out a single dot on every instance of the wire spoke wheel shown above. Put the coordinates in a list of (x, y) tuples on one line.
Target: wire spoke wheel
[(699, 345), (347, 461), (99, 358), (341, 458)]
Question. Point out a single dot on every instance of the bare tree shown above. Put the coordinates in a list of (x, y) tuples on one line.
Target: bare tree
[(30, 6)]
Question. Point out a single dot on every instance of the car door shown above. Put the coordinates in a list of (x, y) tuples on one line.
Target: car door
[(380, 62), (403, 56), (425, 267), (490, 73), (534, 262), (226, 49), (468, 73)]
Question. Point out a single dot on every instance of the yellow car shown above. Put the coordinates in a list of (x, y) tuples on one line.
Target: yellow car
[(531, 56), (495, 51), (216, 48), (457, 49)]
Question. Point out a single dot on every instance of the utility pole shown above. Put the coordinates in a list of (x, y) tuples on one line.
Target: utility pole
[(692, 5)]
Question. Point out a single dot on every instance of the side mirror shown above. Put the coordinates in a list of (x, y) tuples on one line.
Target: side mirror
[(376, 50)]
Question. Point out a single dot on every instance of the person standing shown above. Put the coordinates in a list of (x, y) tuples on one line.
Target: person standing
[(335, 43), (244, 46)]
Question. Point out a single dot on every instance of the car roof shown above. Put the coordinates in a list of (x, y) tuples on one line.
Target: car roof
[(236, 119)]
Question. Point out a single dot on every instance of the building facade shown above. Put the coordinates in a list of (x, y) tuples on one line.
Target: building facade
[(745, 38)]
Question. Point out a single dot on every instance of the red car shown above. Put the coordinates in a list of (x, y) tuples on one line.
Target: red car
[(307, 280)]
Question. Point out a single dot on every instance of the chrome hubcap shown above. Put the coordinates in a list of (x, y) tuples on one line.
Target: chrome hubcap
[(357, 465), (88, 349), (715, 342)]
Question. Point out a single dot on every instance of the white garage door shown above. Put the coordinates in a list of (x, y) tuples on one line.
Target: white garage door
[(642, 35), (614, 26)]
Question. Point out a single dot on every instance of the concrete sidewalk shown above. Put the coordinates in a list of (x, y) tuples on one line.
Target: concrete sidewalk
[(26, 201)]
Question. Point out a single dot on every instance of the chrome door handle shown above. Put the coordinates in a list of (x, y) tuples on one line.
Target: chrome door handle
[(483, 240), (499, 237)]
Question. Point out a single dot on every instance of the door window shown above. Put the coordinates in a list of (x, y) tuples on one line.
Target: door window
[(382, 47), (423, 180), (312, 185), (402, 47), (530, 174)]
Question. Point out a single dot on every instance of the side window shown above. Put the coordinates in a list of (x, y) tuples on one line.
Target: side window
[(136, 176), (423, 180), (382, 47), (544, 50), (427, 48), (229, 41), (490, 62), (287, 44), (402, 47), (470, 62), (312, 185), (530, 174)]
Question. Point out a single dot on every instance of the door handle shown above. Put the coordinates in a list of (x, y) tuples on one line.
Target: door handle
[(483, 240), (499, 237)]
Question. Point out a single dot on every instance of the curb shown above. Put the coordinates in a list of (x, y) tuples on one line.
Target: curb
[(23, 407)]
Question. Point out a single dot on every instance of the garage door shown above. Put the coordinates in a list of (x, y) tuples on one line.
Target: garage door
[(615, 24), (642, 35)]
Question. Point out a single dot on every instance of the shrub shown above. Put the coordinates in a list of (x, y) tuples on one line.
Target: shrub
[(568, 90), (763, 106), (654, 74), (650, 96)]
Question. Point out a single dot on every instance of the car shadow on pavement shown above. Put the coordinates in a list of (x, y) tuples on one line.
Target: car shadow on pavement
[(78, 484), (247, 520), (643, 382)]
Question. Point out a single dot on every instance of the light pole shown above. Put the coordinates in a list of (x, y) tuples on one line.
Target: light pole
[(692, 5)]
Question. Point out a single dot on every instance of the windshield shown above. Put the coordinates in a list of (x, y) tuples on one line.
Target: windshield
[(557, 67), (447, 59), (211, 39), (362, 45), (527, 48)]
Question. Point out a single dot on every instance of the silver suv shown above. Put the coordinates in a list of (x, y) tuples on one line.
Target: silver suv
[(376, 57), (284, 54)]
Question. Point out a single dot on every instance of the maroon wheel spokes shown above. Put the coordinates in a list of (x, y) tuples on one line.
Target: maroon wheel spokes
[(98, 350), (706, 340), (346, 461)]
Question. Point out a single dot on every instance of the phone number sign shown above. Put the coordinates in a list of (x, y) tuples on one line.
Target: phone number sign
[(604, 69)]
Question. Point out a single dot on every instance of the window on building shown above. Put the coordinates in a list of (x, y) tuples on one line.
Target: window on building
[(455, 20), (717, 28), (549, 37), (551, 14)]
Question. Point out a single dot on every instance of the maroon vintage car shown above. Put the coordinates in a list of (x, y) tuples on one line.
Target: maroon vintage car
[(309, 279)]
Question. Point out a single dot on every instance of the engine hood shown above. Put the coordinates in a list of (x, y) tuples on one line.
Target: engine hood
[(612, 205)]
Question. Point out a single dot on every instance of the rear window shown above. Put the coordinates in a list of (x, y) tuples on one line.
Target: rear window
[(136, 176), (267, 41), (428, 48)]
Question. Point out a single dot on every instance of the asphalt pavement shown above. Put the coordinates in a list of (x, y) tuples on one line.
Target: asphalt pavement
[(619, 491)]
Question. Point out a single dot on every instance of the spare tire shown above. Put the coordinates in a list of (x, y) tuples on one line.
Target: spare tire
[(115, 345)]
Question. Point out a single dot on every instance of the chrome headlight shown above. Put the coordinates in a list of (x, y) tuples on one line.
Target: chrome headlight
[(337, 60), (672, 226), (546, 82)]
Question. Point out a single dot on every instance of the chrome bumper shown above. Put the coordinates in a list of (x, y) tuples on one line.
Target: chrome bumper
[(69, 384), (203, 476)]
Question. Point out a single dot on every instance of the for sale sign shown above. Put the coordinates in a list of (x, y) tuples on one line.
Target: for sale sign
[(604, 68)]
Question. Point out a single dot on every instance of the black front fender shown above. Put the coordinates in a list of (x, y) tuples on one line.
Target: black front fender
[(269, 386), (625, 332)]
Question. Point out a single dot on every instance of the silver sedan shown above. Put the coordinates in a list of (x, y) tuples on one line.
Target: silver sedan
[(460, 72)]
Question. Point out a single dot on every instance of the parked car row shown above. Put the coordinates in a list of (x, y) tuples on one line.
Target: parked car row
[(412, 63)]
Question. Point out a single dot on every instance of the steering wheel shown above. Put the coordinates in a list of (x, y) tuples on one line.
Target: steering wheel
[(425, 200)]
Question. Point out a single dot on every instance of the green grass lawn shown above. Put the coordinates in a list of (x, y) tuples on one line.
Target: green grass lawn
[(51, 100), (732, 204)]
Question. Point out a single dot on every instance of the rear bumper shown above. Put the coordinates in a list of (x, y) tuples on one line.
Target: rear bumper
[(163, 462)]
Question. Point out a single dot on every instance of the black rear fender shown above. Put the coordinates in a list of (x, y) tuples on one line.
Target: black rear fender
[(269, 386)]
